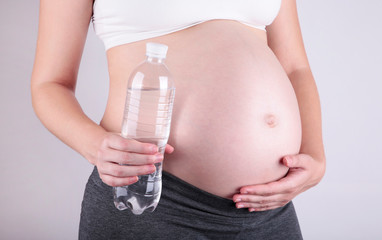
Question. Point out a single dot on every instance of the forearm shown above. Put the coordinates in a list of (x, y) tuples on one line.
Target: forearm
[(310, 111), (60, 112)]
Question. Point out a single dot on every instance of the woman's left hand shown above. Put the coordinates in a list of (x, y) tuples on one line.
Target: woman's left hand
[(304, 173)]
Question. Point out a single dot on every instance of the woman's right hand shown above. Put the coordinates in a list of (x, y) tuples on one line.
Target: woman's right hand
[(120, 160)]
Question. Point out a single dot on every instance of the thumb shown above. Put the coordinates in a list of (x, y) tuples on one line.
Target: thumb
[(169, 148), (292, 161)]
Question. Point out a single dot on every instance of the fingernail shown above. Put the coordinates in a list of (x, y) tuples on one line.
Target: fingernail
[(135, 179), (154, 148), (244, 192), (251, 210), (158, 158), (152, 169), (240, 205), (238, 200)]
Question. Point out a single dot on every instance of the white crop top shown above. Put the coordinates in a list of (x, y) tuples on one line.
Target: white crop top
[(118, 22)]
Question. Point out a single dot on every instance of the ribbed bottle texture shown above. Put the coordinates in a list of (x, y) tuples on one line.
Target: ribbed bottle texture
[(147, 118)]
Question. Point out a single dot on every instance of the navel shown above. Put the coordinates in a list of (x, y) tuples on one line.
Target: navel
[(270, 120)]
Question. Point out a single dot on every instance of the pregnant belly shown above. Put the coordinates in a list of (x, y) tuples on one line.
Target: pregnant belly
[(235, 112), (233, 132)]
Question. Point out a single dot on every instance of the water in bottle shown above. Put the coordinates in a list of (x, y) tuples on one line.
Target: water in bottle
[(147, 118)]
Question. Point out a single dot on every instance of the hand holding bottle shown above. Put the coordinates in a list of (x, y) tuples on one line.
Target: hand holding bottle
[(121, 160)]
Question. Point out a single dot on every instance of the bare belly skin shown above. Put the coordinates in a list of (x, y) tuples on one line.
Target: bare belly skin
[(235, 112)]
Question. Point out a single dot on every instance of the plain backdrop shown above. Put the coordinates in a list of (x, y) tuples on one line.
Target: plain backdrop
[(42, 180)]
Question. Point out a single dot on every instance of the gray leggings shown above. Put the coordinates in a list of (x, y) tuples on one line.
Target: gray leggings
[(184, 212)]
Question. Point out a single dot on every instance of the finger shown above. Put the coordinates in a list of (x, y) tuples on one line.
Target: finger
[(280, 198), (169, 148), (257, 206), (296, 161), (117, 170), (130, 145), (129, 158), (283, 185), (118, 182)]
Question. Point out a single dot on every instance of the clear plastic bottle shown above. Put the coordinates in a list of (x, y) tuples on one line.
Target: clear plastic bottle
[(147, 118)]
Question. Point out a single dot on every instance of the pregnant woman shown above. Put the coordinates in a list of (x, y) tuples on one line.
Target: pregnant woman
[(246, 125)]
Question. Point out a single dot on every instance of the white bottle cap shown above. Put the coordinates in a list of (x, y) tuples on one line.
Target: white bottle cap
[(156, 50)]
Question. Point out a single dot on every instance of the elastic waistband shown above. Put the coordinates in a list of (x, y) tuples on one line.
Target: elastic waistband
[(191, 197), (182, 196)]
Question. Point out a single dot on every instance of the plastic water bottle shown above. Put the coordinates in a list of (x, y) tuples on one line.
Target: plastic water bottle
[(147, 118)]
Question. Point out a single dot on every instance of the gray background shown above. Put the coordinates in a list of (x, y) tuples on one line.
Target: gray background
[(42, 180)]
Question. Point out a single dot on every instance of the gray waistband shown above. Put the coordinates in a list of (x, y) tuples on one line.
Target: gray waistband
[(180, 196)]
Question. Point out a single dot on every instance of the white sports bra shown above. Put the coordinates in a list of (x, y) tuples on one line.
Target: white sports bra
[(118, 22)]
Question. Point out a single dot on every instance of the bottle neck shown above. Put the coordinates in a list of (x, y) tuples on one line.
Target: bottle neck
[(154, 59)]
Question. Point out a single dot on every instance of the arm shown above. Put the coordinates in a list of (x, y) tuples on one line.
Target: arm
[(63, 26), (62, 33), (307, 168), (284, 38)]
